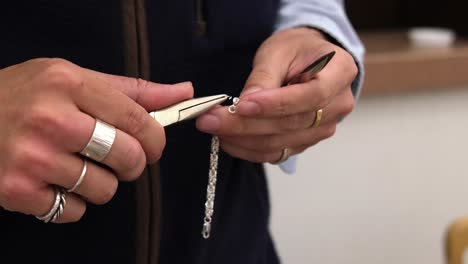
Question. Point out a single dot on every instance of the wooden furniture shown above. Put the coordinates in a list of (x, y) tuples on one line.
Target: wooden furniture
[(457, 241), (393, 65)]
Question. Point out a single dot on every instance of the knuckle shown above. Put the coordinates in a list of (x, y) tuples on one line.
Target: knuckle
[(32, 158), (239, 127), (261, 73), (136, 83), (282, 106), (322, 96), (354, 71), (270, 157), (108, 193), (141, 85), (295, 122), (352, 68), (134, 161), (300, 149), (77, 217), (61, 74), (136, 119), (43, 118), (348, 105), (156, 153), (12, 189), (330, 131), (268, 144)]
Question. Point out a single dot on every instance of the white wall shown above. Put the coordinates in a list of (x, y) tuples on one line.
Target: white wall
[(383, 190)]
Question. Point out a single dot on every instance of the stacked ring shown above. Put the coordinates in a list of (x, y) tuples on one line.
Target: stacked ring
[(57, 208)]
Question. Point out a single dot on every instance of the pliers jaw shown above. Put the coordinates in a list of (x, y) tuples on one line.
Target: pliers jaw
[(187, 109)]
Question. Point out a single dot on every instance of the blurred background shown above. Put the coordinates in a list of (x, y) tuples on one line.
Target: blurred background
[(392, 185)]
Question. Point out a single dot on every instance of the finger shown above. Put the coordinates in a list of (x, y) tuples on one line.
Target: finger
[(73, 210), (259, 156), (115, 108), (275, 143), (220, 122), (341, 106), (248, 154), (303, 97), (39, 202), (147, 94), (98, 185), (126, 156), (268, 71)]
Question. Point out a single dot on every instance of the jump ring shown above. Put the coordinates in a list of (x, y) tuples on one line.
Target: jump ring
[(82, 175), (101, 141)]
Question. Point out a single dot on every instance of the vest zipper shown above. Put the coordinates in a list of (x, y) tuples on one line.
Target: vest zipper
[(200, 22)]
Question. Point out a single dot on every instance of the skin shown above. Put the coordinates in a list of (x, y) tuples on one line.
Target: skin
[(48, 116), (269, 119), (49, 108)]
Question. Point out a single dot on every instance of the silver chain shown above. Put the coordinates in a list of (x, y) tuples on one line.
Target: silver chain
[(212, 177), (211, 188)]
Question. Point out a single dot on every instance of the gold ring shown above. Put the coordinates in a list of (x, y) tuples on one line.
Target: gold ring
[(318, 118), (285, 153)]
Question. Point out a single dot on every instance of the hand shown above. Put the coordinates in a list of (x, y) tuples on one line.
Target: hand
[(270, 118), (48, 115)]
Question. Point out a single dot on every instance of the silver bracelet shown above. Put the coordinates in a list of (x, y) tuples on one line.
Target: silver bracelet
[(212, 178)]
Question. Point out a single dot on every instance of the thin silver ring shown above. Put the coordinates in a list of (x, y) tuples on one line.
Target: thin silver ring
[(57, 208), (82, 175), (285, 153), (101, 141)]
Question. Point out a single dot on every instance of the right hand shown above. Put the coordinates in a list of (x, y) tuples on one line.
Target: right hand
[(48, 110)]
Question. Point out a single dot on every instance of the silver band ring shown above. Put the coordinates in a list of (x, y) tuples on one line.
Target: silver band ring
[(285, 153), (82, 175), (57, 208), (101, 141)]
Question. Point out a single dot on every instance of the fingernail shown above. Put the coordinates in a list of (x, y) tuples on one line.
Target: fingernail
[(250, 91), (248, 108), (208, 123)]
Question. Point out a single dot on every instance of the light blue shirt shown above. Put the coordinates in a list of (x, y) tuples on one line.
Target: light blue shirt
[(328, 16)]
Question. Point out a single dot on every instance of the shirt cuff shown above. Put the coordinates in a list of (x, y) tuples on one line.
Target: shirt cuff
[(289, 166)]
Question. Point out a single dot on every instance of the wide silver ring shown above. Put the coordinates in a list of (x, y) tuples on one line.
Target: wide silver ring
[(101, 141), (80, 179), (57, 208), (285, 153)]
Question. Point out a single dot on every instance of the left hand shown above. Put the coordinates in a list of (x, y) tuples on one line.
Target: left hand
[(269, 118)]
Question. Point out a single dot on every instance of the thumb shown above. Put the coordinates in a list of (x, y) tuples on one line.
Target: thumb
[(149, 95), (267, 73)]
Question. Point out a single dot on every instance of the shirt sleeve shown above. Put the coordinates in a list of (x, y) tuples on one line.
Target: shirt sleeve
[(328, 16)]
